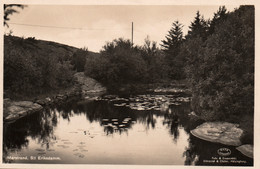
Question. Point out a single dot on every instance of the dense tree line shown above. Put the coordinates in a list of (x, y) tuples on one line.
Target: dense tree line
[(122, 63), (220, 64)]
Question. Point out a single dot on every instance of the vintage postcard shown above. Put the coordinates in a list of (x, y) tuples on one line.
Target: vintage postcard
[(130, 85)]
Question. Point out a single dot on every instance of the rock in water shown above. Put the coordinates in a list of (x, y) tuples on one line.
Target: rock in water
[(16, 110), (219, 132), (247, 150)]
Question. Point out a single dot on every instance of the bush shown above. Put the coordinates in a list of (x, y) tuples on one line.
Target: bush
[(79, 59), (30, 69)]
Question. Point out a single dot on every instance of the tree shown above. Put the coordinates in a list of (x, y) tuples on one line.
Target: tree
[(155, 59), (149, 49), (173, 39), (32, 67), (171, 46), (119, 63), (218, 18), (79, 59), (220, 69), (9, 9), (198, 28)]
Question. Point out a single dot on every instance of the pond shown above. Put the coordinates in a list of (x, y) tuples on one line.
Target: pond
[(151, 129)]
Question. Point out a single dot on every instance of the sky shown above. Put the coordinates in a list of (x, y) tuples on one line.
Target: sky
[(92, 26)]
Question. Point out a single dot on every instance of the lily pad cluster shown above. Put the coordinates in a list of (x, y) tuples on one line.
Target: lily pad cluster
[(146, 102), (114, 125)]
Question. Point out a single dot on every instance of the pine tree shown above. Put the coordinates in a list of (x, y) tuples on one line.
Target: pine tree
[(218, 18), (198, 28), (171, 46), (173, 39)]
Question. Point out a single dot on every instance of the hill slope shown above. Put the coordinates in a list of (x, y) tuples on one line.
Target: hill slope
[(36, 66)]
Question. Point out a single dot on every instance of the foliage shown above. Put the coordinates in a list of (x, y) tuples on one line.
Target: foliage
[(9, 9), (171, 47), (31, 66), (220, 66), (198, 28), (79, 59), (120, 63), (155, 59), (173, 39)]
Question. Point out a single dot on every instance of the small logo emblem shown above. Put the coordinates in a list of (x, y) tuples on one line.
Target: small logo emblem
[(224, 151)]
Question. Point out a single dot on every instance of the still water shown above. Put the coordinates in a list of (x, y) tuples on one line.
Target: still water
[(144, 129)]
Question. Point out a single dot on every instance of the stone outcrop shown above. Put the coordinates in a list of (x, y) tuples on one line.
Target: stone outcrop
[(16, 110), (247, 150), (219, 132), (88, 85)]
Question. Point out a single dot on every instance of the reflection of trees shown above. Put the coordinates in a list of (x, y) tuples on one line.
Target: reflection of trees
[(110, 130), (148, 118), (171, 119), (37, 126), (190, 154), (97, 111)]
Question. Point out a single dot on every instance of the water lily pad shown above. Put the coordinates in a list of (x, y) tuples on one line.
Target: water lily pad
[(120, 105), (39, 149)]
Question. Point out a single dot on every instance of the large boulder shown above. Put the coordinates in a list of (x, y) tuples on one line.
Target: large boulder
[(88, 85), (219, 132), (16, 110), (247, 150)]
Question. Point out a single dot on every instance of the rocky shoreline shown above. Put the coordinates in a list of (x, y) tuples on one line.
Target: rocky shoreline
[(14, 110)]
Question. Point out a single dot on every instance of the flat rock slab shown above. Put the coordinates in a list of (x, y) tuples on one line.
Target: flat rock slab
[(247, 150), (16, 110), (219, 132)]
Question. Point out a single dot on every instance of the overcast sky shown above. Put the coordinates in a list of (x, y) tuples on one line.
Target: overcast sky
[(91, 26)]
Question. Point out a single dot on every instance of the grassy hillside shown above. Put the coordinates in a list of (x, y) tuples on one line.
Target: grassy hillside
[(33, 67)]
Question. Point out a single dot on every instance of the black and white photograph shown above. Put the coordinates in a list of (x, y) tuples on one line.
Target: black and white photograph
[(159, 85)]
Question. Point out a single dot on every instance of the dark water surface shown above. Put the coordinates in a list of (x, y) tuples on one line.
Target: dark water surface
[(143, 129)]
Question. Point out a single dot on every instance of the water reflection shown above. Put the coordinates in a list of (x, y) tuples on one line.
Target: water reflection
[(38, 126), (171, 119), (190, 155), (97, 132)]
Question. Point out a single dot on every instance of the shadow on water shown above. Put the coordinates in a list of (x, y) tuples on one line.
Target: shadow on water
[(115, 121), (38, 126)]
